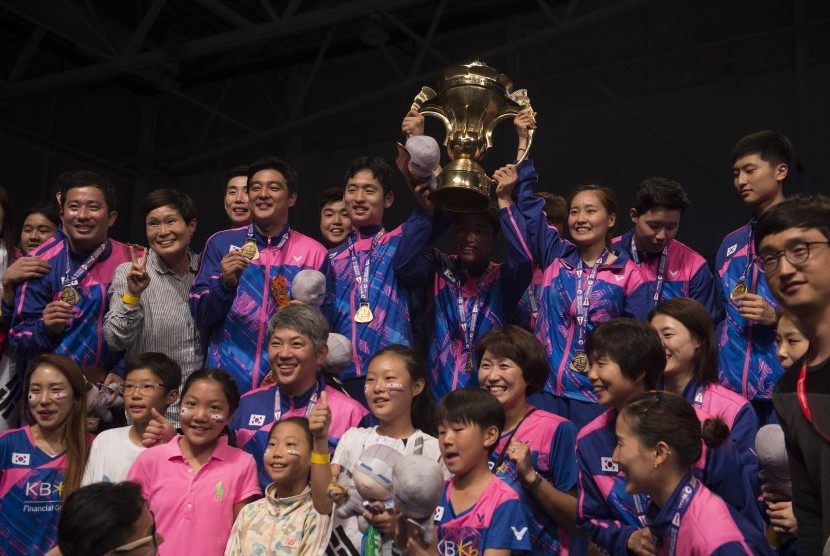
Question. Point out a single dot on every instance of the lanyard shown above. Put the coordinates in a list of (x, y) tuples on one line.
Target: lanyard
[(583, 298), (685, 498), (312, 401), (468, 331), (362, 278), (82, 270), (801, 389), (750, 251), (661, 269), (282, 241)]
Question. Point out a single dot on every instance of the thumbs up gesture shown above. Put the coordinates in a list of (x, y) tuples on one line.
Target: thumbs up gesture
[(159, 430), (320, 418)]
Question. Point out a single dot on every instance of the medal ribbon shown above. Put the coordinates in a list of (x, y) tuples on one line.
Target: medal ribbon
[(85, 267), (312, 401), (362, 278), (468, 332), (583, 298), (750, 251), (661, 269), (801, 389), (688, 493), (279, 245)]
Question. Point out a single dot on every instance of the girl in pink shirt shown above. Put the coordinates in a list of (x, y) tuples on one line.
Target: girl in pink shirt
[(196, 484)]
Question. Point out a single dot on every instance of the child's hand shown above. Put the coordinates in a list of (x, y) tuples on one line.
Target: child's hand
[(384, 521), (409, 536), (159, 430), (320, 418)]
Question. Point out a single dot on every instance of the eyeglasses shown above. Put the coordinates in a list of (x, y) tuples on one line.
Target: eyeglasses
[(145, 389), (796, 253), (125, 548)]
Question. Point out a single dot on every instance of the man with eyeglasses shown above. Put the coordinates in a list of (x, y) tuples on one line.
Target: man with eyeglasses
[(794, 254), (246, 274), (747, 362), (105, 519)]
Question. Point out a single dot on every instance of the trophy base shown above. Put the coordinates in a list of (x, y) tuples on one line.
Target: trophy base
[(463, 187)]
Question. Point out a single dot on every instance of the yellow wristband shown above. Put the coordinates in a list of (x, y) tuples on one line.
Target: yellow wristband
[(130, 299), (322, 459)]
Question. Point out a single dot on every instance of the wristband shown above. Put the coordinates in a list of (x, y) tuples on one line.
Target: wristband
[(536, 480), (322, 459), (130, 299)]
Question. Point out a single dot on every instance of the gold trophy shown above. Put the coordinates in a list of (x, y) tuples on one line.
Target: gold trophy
[(471, 100)]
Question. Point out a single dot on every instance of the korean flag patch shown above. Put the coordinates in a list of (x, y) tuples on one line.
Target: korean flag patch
[(256, 421), (609, 466), (20, 459)]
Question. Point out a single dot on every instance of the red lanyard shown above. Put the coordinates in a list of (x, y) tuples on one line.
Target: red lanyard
[(801, 389)]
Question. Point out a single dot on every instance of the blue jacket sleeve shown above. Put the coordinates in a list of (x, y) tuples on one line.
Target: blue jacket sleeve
[(412, 268), (594, 516), (563, 467), (209, 299), (544, 240), (28, 336), (726, 475), (517, 271), (702, 289)]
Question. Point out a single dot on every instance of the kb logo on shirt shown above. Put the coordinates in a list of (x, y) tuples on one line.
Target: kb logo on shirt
[(43, 490)]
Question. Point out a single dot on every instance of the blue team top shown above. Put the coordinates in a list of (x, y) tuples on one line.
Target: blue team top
[(238, 318), (686, 274), (746, 349)]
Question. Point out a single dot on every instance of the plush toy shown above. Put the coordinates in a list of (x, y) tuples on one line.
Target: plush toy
[(372, 480), (417, 485)]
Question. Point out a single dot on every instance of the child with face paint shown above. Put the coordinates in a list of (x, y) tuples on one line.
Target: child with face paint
[(293, 518), (42, 463), (197, 483), (397, 393)]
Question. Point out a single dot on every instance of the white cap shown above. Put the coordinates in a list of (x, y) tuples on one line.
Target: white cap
[(425, 157), (309, 287), (340, 354)]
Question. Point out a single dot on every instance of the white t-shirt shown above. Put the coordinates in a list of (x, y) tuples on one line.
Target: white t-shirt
[(111, 456), (347, 537)]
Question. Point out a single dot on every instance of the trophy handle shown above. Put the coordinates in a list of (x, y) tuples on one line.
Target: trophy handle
[(521, 99), (422, 99)]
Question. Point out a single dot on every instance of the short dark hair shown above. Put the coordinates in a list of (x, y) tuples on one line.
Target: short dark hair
[(694, 316), (274, 163), (302, 422), (329, 196), (771, 146), (471, 406), (380, 170), (521, 347), (606, 196), (802, 210), (490, 214), (168, 371), (49, 210), (556, 208), (666, 417), (660, 193), (240, 171), (632, 344), (172, 198), (86, 178), (98, 518)]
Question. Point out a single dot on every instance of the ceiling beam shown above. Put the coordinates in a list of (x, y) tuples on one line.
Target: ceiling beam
[(150, 16), (221, 10), (28, 53)]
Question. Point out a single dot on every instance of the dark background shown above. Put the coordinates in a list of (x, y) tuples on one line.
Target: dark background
[(157, 93)]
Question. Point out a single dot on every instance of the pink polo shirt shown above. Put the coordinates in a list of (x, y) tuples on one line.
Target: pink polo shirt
[(194, 511)]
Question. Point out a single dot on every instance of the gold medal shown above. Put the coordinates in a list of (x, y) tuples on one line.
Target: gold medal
[(740, 289), (70, 295), (363, 314), (579, 363), (250, 250), (469, 364)]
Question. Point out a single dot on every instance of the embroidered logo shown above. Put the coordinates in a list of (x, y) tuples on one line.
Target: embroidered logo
[(609, 466), (480, 517), (619, 277), (520, 534), (220, 491), (731, 249), (256, 421), (439, 513), (298, 258), (673, 273), (20, 459)]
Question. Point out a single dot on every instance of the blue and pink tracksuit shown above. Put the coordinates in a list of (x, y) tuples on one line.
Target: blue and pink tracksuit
[(747, 362), (82, 339), (686, 274), (238, 318), (489, 295)]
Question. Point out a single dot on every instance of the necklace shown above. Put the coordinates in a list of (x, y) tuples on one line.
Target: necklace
[(48, 449)]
